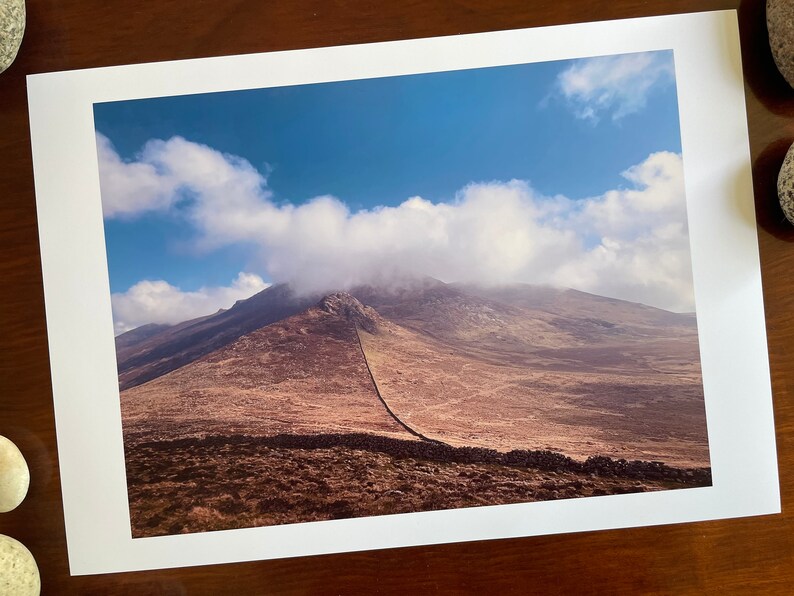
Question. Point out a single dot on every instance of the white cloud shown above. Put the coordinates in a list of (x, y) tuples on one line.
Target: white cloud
[(165, 173), (129, 188), (657, 197), (160, 302), (490, 234), (617, 85), (642, 248), (629, 243)]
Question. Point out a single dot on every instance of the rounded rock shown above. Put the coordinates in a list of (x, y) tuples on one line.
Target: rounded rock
[(12, 28), (780, 24), (785, 185), (19, 574), (14, 475)]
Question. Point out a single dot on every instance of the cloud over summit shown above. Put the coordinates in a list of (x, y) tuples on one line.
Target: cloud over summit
[(629, 243)]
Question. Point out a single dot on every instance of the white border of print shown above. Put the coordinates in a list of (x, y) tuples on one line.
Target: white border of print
[(724, 253)]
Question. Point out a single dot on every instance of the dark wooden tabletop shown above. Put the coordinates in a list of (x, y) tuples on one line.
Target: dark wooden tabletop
[(754, 555)]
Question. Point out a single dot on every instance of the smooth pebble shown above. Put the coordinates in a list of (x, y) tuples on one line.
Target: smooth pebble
[(780, 24), (12, 28), (785, 185), (19, 574), (14, 475)]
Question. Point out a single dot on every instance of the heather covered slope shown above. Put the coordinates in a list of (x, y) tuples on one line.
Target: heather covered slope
[(454, 367), (142, 356), (547, 327), (221, 483), (456, 396), (303, 375), (438, 398), (569, 303), (536, 326)]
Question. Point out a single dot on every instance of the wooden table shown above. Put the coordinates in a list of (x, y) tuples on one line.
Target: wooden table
[(734, 556)]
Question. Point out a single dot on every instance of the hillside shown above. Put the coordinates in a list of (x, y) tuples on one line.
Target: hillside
[(386, 400), (302, 375), (621, 408), (143, 356), (456, 367)]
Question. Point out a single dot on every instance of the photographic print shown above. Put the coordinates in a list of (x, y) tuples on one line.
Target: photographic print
[(402, 294), (406, 293)]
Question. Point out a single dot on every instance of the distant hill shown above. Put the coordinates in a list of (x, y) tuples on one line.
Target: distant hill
[(566, 302)]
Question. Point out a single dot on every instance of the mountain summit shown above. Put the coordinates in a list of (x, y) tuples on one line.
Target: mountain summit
[(345, 305)]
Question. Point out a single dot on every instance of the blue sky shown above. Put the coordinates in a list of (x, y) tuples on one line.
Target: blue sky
[(568, 128)]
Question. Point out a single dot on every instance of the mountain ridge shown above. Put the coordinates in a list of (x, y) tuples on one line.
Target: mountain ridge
[(510, 314), (448, 366)]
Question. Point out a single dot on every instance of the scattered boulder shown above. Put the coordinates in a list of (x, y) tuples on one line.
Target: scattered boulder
[(344, 305), (780, 23), (785, 185)]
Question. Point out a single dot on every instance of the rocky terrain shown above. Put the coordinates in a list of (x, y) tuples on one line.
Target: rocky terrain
[(217, 484), (372, 401)]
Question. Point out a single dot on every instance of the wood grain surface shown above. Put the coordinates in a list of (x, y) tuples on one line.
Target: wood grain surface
[(753, 555)]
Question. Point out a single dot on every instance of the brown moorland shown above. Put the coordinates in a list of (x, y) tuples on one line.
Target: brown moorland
[(442, 371), (218, 484)]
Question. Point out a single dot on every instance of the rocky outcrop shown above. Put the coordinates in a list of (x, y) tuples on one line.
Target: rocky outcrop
[(344, 305)]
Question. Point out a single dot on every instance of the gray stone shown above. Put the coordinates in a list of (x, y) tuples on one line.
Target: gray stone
[(12, 28), (14, 474), (780, 23), (785, 185), (19, 574)]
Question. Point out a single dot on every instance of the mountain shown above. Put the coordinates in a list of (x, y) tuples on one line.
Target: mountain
[(550, 328), (624, 401), (521, 322), (426, 396), (305, 374), (148, 352), (446, 312), (569, 303), (518, 367)]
